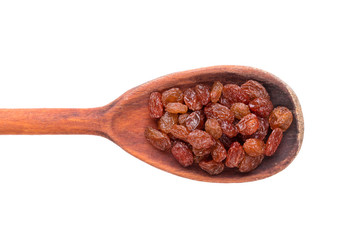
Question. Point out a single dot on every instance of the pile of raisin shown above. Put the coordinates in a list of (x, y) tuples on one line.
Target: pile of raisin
[(217, 127)]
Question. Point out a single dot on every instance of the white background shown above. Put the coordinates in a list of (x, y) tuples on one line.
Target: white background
[(87, 53)]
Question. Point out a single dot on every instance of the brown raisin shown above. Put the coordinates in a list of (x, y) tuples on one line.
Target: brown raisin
[(248, 124), (218, 152), (262, 130), (262, 107), (235, 155), (200, 139), (212, 126), (172, 95), (182, 154), (202, 152), (240, 110), (280, 117), (212, 167), (234, 93), (273, 141), (192, 100), (219, 112), (254, 89), (176, 108), (198, 159), (166, 122), (193, 121), (254, 147), (182, 118), (226, 102), (156, 107), (203, 92), (250, 163), (216, 91), (226, 141), (157, 139), (179, 131), (228, 129)]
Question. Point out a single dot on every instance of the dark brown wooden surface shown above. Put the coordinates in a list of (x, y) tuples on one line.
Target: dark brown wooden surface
[(124, 120)]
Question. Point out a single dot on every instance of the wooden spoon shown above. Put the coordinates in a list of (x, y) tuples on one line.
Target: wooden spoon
[(123, 121)]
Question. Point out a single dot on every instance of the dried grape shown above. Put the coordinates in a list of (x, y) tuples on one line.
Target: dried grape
[(240, 110), (182, 154), (212, 126), (262, 107), (248, 124), (280, 117), (216, 91), (176, 108), (235, 155), (182, 118), (203, 92), (166, 122), (228, 129), (200, 139), (156, 107), (212, 167), (254, 90), (219, 112), (218, 152), (250, 163), (179, 131), (192, 100), (172, 95), (157, 139), (234, 93), (273, 141), (254, 147)]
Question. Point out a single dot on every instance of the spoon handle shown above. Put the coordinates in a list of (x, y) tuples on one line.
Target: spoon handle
[(51, 121)]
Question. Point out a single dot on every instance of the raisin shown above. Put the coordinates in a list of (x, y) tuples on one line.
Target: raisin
[(203, 92), (280, 117), (202, 152), (176, 108), (273, 141), (172, 95), (182, 119), (226, 102), (250, 163), (212, 167), (218, 153), (254, 147), (240, 110), (226, 141), (156, 107), (212, 126), (219, 112), (248, 124), (228, 129), (192, 100), (235, 155), (179, 131), (216, 91), (202, 119), (234, 93), (194, 121), (200, 139), (182, 154), (198, 159), (166, 122), (262, 130), (157, 139), (254, 89), (262, 107)]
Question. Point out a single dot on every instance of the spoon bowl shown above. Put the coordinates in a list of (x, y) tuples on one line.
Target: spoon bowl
[(124, 120), (129, 116)]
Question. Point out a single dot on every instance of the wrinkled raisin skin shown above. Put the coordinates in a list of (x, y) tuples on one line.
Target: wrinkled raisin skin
[(194, 121), (261, 132), (235, 155), (203, 92), (172, 95), (250, 163), (166, 122), (179, 131), (240, 110), (200, 139), (176, 108), (219, 112), (182, 154), (280, 117), (248, 124), (158, 139), (254, 147), (201, 152), (212, 126), (156, 107), (228, 129), (216, 91), (254, 89), (212, 167), (262, 107), (192, 100), (234, 93), (218, 152), (273, 141)]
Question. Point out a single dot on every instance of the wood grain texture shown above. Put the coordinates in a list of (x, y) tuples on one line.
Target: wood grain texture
[(124, 120)]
